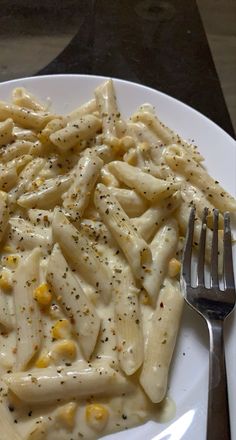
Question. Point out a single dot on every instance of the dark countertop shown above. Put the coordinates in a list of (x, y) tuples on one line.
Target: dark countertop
[(159, 43)]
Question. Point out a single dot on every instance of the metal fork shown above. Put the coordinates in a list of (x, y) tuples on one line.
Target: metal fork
[(214, 305)]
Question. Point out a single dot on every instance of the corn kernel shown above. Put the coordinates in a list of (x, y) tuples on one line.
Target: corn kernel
[(5, 282), (43, 361), (65, 349), (43, 294), (97, 416), (11, 261), (61, 329), (174, 267), (66, 414), (38, 182)]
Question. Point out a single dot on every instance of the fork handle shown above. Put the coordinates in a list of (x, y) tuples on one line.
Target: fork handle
[(218, 422)]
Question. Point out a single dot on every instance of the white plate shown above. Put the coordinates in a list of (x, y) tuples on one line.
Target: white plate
[(189, 373)]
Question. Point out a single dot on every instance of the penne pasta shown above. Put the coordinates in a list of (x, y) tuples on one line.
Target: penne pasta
[(4, 213), (24, 134), (75, 132), (82, 254), (24, 117), (28, 236), (128, 325), (6, 132), (23, 98), (134, 247), (153, 123), (76, 199), (132, 203), (78, 382), (48, 194), (180, 161), (15, 150), (85, 109), (165, 323), (148, 223), (106, 104), (149, 187), (28, 174), (163, 247), (73, 301), (5, 315), (28, 320)]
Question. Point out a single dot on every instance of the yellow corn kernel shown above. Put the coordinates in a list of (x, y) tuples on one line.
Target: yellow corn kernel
[(65, 349), (43, 294), (11, 261), (66, 414), (5, 282), (43, 361), (96, 416), (38, 182), (61, 329), (174, 267)]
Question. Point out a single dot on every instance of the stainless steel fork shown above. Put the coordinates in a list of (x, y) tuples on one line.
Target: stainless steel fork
[(214, 305)]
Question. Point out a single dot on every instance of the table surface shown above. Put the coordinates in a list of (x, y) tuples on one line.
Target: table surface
[(158, 43)]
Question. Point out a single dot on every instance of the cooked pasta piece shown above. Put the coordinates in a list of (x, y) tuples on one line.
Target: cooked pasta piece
[(15, 149), (73, 301), (5, 315), (149, 187), (132, 203), (24, 134), (163, 247), (4, 213), (76, 199), (48, 194), (28, 174), (103, 151), (180, 161), (148, 223), (153, 123), (83, 255), (85, 109), (28, 236), (28, 320), (107, 178), (134, 247), (8, 177), (23, 98), (128, 328), (75, 132), (106, 103), (41, 217), (6, 132), (195, 197), (25, 117), (78, 382), (161, 340), (51, 127)]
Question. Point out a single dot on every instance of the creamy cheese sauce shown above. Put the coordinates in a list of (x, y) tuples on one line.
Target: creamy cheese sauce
[(122, 411)]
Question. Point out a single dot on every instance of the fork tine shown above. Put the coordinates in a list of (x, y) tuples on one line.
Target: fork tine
[(201, 253), (187, 254), (214, 252), (228, 258)]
